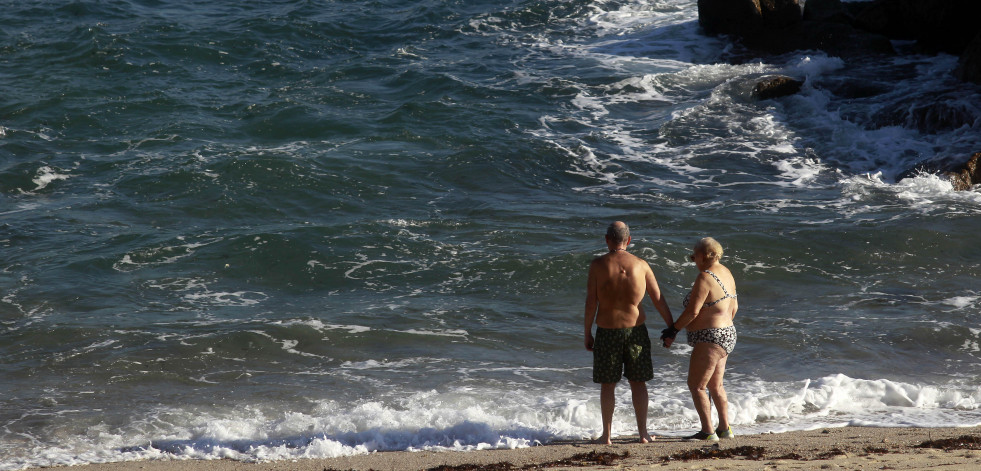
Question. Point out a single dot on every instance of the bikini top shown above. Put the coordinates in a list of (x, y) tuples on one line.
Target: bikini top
[(717, 301)]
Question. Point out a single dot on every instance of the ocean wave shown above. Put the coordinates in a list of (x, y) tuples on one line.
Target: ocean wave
[(473, 419)]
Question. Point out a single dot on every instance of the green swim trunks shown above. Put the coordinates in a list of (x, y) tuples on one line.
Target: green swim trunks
[(622, 352)]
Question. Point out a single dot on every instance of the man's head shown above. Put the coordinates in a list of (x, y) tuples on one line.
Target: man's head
[(618, 234)]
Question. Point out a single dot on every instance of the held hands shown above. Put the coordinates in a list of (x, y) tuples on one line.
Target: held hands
[(668, 335)]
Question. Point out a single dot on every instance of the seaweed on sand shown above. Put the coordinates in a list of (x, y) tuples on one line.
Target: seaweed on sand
[(749, 452), (964, 442), (592, 458)]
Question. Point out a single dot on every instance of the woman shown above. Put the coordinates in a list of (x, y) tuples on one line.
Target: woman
[(709, 310)]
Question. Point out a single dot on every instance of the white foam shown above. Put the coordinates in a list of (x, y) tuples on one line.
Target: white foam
[(438, 333), (470, 418), (197, 291), (961, 302), (321, 326), (159, 255), (45, 176), (925, 193), (811, 67), (383, 364)]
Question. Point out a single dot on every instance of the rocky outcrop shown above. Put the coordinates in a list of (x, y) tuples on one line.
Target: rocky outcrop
[(747, 17), (776, 87), (836, 39), (736, 17), (780, 13), (778, 26), (852, 28), (825, 10)]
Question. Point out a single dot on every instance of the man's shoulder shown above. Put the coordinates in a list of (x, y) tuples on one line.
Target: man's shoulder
[(639, 261)]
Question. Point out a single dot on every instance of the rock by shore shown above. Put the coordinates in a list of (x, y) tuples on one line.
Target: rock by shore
[(776, 87), (967, 175)]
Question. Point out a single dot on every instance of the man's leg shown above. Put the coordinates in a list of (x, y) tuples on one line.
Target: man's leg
[(607, 401), (638, 391)]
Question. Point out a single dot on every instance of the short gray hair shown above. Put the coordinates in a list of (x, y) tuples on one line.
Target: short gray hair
[(618, 232)]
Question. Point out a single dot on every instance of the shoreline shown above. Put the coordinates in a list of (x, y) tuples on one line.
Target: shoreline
[(828, 448)]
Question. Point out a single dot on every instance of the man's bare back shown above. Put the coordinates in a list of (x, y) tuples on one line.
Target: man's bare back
[(620, 283)]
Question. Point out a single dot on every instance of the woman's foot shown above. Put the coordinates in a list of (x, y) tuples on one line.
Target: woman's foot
[(727, 433), (710, 437)]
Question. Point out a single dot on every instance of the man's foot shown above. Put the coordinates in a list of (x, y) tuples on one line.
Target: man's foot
[(603, 441), (727, 433), (646, 438), (709, 437)]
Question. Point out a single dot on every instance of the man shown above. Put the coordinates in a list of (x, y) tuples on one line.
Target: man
[(615, 290)]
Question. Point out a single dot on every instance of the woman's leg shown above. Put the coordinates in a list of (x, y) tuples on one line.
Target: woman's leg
[(701, 368), (718, 393)]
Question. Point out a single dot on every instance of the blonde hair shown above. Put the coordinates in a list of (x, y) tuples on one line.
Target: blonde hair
[(710, 247)]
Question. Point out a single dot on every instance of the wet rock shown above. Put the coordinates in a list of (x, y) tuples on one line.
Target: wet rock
[(776, 27), (747, 17), (836, 39), (780, 13), (942, 114), (882, 17), (931, 112), (825, 10), (967, 175), (776, 87), (737, 17), (856, 89), (969, 64)]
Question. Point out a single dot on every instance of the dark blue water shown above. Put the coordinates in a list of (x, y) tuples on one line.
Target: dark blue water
[(279, 229)]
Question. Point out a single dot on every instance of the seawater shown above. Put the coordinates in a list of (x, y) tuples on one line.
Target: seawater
[(283, 229)]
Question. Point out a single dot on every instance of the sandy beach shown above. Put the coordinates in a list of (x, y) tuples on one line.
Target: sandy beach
[(832, 448)]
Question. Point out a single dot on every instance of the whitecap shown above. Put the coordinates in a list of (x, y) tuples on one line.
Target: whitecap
[(46, 175)]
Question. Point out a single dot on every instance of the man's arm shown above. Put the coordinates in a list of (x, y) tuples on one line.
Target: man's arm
[(654, 291), (592, 302)]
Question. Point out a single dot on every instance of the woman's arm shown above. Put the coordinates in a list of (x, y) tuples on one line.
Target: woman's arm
[(699, 293)]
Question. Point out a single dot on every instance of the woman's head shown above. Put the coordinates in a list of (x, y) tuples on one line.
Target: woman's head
[(710, 248)]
